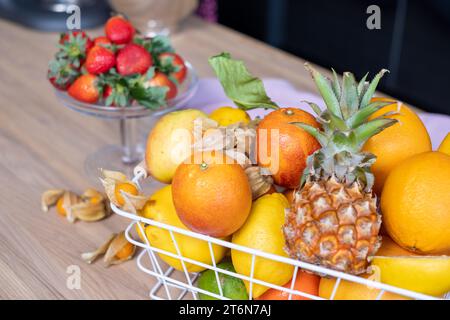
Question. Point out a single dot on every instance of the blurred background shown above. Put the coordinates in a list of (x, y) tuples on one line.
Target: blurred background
[(413, 42)]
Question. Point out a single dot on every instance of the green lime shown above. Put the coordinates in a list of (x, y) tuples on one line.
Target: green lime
[(232, 288)]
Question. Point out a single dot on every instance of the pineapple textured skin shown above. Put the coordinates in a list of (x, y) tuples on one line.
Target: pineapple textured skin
[(333, 225)]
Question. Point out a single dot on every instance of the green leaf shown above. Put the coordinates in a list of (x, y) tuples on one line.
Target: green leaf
[(335, 122), (371, 128), (110, 100), (362, 85), (371, 88), (246, 91), (151, 97), (160, 44), (349, 99), (363, 114), (315, 107), (327, 93), (312, 131), (167, 65), (335, 84)]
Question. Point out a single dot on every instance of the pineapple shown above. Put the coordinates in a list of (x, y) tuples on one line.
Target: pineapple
[(334, 220)]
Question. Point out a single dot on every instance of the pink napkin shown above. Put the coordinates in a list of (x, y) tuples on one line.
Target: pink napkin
[(211, 96)]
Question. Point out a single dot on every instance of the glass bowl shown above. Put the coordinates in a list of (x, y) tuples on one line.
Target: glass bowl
[(124, 156)]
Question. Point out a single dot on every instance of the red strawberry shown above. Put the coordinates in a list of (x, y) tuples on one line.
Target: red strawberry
[(66, 37), (173, 64), (61, 73), (133, 59), (102, 41), (107, 91), (161, 80), (85, 88), (74, 46), (100, 60), (119, 30), (116, 95)]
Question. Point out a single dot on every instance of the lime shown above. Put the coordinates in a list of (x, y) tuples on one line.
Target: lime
[(232, 288)]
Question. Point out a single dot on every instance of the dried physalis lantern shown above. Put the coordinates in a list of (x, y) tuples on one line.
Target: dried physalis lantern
[(122, 192), (115, 250), (90, 206), (260, 180)]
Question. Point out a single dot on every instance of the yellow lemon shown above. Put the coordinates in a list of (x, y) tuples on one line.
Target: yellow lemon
[(229, 115), (262, 231), (424, 274), (349, 290), (415, 203), (445, 145), (169, 143), (160, 208)]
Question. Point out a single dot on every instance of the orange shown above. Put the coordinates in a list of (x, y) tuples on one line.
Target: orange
[(60, 207), (396, 143), (444, 147), (415, 203), (349, 290), (125, 251), (305, 282), (211, 194), (127, 188), (390, 249), (286, 155)]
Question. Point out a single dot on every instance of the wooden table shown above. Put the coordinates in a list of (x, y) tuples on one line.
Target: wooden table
[(43, 146)]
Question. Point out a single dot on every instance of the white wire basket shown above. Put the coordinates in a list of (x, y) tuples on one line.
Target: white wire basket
[(172, 284)]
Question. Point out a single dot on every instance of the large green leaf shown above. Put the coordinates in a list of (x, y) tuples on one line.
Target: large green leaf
[(246, 91)]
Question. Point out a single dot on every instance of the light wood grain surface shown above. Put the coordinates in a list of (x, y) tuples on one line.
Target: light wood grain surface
[(43, 145)]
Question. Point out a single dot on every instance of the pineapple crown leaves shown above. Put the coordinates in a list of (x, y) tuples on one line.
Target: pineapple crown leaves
[(245, 90), (348, 108), (345, 128)]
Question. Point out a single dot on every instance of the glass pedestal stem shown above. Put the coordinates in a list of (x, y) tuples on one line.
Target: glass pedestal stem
[(128, 140)]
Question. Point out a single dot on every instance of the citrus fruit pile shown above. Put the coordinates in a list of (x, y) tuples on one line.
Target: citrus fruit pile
[(118, 69), (303, 186)]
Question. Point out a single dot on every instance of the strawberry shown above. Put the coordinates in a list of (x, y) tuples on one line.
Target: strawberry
[(61, 73), (74, 46), (102, 41), (172, 64), (116, 95), (133, 59), (119, 30), (107, 91), (100, 60), (85, 88), (161, 80)]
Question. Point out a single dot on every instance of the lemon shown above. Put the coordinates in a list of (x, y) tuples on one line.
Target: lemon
[(169, 143), (160, 208), (424, 274), (445, 145), (349, 290), (229, 115), (262, 231)]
